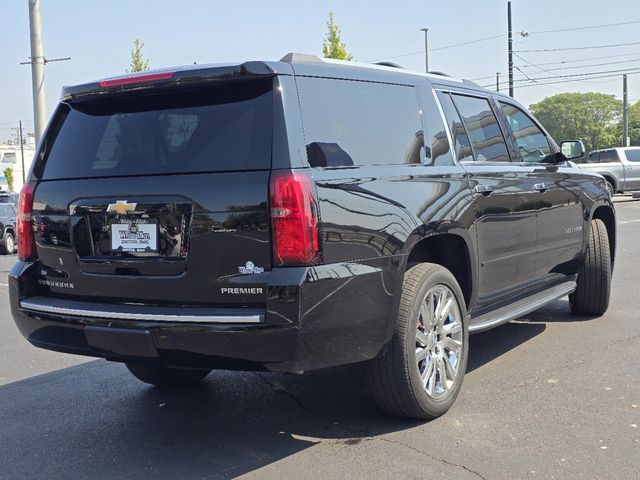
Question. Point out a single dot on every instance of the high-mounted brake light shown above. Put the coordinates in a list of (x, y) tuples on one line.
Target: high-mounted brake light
[(294, 220), (129, 79), (24, 224)]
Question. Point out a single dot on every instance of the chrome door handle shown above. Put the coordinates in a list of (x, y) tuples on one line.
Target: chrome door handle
[(540, 187), (484, 189)]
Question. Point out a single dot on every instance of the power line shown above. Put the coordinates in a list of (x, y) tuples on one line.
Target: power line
[(576, 76), (576, 80), (584, 28), (445, 47), (578, 48), (575, 67)]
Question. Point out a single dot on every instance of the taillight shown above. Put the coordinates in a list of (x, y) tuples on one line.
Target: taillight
[(24, 224), (294, 220)]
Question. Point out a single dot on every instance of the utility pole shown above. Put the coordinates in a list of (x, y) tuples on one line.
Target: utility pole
[(21, 150), (497, 81), (37, 62), (510, 40), (625, 113), (426, 48), (37, 69), (510, 49)]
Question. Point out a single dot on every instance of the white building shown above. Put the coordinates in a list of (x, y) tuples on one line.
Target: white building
[(11, 156)]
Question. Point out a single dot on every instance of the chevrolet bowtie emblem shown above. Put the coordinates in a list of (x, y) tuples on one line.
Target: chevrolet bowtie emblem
[(121, 207)]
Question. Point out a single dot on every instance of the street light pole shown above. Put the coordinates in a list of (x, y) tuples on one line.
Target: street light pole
[(497, 81), (37, 69), (426, 48)]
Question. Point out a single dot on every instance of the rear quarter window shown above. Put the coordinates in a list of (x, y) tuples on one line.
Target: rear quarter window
[(349, 123), (223, 128)]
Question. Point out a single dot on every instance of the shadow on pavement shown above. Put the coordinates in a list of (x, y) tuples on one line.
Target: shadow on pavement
[(95, 420)]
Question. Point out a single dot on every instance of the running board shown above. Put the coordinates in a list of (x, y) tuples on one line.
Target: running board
[(520, 308)]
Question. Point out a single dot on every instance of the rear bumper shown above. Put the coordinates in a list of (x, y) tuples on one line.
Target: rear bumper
[(315, 317)]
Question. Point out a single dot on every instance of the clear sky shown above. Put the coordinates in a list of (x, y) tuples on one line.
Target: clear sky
[(99, 36)]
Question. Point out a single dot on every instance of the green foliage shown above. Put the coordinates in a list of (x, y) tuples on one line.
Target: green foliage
[(138, 63), (593, 117), (333, 46), (634, 124), (8, 173)]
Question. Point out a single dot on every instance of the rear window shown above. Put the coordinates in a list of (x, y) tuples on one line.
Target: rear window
[(633, 155), (223, 128)]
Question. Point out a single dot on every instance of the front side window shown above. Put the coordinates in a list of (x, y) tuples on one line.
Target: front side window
[(594, 157), (532, 142), (349, 123), (609, 156), (482, 128)]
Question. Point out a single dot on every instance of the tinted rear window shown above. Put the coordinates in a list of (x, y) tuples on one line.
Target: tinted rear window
[(222, 128)]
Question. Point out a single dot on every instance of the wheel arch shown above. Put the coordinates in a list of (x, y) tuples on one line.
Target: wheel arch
[(607, 215), (451, 251)]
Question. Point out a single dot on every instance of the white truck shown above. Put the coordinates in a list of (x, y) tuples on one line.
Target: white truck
[(619, 166)]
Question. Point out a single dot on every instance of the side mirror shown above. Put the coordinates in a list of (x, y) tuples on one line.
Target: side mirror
[(572, 149)]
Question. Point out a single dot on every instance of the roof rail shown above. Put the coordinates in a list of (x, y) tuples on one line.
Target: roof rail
[(300, 57), (389, 64)]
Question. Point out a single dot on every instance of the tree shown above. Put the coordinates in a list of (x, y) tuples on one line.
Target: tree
[(634, 124), (138, 63), (8, 174), (593, 117), (333, 46)]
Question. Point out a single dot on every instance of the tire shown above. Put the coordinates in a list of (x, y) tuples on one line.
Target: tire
[(7, 244), (162, 376), (610, 188), (591, 296), (397, 376)]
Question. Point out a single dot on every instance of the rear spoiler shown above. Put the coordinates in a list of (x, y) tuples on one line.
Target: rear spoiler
[(179, 76)]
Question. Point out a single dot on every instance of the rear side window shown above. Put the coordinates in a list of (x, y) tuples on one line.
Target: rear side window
[(350, 123), (482, 128), (609, 156), (222, 128), (633, 155), (460, 139)]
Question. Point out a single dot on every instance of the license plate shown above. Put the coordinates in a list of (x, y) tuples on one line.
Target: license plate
[(134, 237)]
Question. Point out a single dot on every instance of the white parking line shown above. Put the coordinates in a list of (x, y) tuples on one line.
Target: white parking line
[(628, 221)]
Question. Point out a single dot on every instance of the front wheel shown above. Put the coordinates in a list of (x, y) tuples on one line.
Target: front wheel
[(610, 188), (593, 290), (420, 373), (162, 376)]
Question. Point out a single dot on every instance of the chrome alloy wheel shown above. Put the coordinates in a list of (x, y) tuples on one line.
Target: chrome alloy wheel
[(439, 341), (10, 244)]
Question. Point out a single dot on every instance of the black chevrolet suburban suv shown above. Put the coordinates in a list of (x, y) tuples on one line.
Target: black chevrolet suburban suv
[(297, 215)]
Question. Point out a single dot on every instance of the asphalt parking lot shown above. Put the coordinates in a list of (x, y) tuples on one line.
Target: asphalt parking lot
[(547, 396)]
